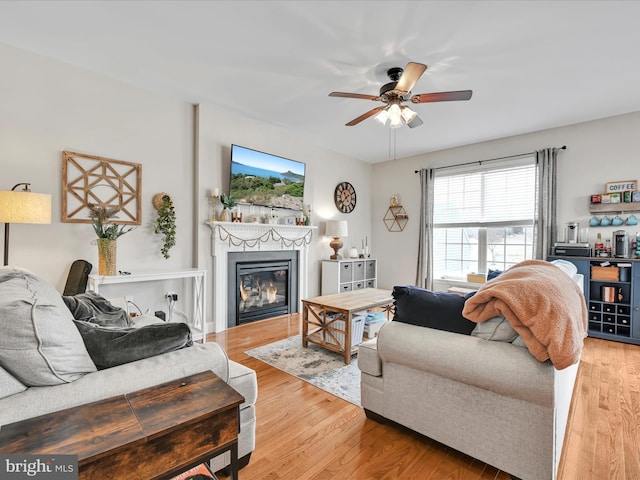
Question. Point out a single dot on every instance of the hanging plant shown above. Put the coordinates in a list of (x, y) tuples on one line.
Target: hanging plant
[(165, 224)]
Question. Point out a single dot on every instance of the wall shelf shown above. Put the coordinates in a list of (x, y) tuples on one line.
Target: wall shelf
[(614, 207), (396, 218)]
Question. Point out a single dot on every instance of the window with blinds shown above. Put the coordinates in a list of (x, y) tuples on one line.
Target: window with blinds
[(483, 218)]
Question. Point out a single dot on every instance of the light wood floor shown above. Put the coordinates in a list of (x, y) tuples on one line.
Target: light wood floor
[(304, 433)]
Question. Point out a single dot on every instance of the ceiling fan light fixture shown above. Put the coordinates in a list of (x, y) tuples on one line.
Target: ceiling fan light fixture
[(408, 114), (394, 110), (395, 121), (382, 116), (395, 116)]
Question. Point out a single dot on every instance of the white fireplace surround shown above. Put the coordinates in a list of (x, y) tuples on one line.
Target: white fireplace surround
[(251, 237)]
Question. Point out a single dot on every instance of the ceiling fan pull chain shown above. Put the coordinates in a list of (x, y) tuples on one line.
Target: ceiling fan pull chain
[(394, 143)]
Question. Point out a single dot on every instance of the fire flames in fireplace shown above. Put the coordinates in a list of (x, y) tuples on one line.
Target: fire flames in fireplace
[(266, 285), (262, 289), (271, 293)]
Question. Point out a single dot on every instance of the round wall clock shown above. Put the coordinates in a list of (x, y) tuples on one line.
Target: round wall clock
[(345, 197)]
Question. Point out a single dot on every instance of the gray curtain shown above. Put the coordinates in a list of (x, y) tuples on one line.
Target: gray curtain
[(424, 272), (544, 230)]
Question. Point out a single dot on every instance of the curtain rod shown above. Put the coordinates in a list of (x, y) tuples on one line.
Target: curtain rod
[(480, 162)]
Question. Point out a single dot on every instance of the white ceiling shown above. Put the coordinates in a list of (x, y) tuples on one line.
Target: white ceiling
[(531, 65)]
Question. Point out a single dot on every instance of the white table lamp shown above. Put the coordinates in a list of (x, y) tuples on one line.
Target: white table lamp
[(336, 229)]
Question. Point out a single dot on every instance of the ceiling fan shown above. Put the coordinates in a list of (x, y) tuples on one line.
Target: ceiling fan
[(398, 91)]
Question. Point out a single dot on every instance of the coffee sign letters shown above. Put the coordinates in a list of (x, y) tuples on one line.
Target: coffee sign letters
[(622, 186)]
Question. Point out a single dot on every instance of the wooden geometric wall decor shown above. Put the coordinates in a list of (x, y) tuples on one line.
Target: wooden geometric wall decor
[(87, 179), (396, 218)]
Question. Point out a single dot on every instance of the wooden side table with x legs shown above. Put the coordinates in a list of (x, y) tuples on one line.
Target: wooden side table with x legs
[(320, 314)]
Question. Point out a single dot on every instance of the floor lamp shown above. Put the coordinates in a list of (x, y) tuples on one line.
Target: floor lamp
[(22, 207)]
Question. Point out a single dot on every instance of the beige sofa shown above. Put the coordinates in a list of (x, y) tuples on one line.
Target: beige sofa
[(44, 366), (491, 400)]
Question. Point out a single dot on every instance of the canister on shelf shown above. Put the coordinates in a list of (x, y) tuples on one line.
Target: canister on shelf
[(573, 229), (621, 244)]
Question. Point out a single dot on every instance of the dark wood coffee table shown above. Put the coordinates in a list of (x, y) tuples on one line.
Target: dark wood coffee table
[(154, 433), (320, 314)]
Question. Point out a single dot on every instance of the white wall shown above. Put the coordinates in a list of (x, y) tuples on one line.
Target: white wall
[(324, 170), (47, 107), (597, 152)]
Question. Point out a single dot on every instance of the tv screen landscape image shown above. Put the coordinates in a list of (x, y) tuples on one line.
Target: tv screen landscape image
[(267, 180)]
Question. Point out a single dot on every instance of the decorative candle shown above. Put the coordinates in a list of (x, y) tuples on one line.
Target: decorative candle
[(216, 191)]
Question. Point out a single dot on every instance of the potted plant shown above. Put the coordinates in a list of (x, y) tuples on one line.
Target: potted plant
[(228, 202), (165, 224), (107, 234)]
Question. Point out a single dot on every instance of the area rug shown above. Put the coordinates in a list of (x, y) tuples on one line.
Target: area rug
[(314, 364)]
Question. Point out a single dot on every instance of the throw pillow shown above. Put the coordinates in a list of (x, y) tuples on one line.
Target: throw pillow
[(91, 307), (39, 344), (109, 347), (9, 385), (497, 329), (439, 310), (493, 274), (566, 266)]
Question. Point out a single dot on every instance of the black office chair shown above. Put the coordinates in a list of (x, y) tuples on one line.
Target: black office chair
[(78, 277)]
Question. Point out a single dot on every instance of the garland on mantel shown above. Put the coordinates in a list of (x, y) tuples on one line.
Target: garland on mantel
[(270, 235)]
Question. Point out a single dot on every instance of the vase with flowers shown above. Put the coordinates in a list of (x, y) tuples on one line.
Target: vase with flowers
[(107, 233)]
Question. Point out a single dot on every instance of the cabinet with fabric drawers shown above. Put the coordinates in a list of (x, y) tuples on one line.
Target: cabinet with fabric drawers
[(348, 274)]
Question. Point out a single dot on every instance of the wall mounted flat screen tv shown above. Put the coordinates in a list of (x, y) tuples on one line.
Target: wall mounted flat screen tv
[(259, 178)]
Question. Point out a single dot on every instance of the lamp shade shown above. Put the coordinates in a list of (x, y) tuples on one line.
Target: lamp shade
[(24, 207), (336, 228)]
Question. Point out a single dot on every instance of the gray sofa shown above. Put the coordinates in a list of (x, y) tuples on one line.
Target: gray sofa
[(491, 400), (59, 375)]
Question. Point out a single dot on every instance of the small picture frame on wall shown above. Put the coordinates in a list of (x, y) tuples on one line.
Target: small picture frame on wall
[(291, 220)]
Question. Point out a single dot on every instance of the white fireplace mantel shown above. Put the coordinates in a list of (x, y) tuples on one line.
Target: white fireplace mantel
[(250, 237)]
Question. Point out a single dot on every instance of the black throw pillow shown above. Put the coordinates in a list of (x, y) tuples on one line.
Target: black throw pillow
[(440, 310), (493, 274), (108, 346)]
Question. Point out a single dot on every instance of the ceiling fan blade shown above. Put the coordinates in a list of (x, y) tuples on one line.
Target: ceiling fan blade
[(442, 96), (354, 95), (416, 122), (364, 116), (412, 72)]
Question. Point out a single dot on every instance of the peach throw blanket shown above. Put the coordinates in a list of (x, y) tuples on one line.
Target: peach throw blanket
[(542, 304)]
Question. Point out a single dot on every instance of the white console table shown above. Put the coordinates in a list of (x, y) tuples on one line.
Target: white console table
[(199, 324)]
